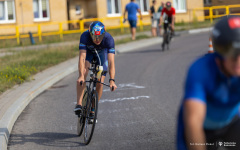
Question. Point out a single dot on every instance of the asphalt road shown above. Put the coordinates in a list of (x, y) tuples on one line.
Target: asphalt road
[(141, 114)]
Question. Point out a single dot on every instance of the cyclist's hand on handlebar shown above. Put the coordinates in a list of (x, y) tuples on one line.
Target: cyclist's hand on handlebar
[(112, 86), (80, 80)]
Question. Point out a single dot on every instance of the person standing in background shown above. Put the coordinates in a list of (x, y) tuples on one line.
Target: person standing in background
[(154, 19), (160, 11), (132, 8)]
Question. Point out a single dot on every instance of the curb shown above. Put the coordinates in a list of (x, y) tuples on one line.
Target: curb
[(133, 46), (195, 31), (12, 113)]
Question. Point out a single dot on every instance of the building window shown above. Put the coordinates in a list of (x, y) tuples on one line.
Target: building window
[(207, 2), (78, 10), (144, 5), (41, 10), (113, 7), (7, 11), (180, 5)]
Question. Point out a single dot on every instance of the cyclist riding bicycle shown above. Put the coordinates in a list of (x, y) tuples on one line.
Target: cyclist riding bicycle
[(96, 38), (209, 116), (170, 16)]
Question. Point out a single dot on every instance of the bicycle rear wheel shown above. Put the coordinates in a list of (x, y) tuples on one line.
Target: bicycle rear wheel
[(89, 126), (81, 118)]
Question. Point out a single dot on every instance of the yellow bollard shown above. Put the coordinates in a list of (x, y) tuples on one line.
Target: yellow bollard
[(17, 35), (61, 31), (82, 26), (227, 10), (211, 14), (121, 24), (39, 33)]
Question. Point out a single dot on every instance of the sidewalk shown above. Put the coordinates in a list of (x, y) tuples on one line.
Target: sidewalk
[(14, 101)]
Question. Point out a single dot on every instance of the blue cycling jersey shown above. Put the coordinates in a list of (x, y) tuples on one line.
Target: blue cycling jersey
[(107, 43), (132, 10), (221, 94)]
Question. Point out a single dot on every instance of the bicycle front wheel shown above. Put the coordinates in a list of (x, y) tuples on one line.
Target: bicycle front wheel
[(81, 118), (91, 118)]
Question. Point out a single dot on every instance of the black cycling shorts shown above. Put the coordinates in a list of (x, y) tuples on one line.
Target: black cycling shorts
[(169, 19), (228, 137)]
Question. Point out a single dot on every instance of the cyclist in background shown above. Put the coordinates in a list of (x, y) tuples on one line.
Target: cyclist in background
[(170, 16), (95, 38), (209, 115)]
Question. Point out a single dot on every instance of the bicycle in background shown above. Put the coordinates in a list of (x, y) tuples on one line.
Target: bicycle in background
[(167, 36)]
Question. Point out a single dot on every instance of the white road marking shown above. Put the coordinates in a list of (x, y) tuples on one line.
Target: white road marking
[(122, 99), (126, 87)]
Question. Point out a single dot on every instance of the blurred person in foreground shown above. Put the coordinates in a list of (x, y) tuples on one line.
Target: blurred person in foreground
[(209, 116), (132, 8)]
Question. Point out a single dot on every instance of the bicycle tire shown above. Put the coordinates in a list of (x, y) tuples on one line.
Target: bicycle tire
[(81, 119), (89, 128)]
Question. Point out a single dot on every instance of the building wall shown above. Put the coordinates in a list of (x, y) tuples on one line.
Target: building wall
[(24, 15), (225, 2), (72, 10), (186, 16)]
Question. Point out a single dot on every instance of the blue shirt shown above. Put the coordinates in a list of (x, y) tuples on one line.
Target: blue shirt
[(221, 94), (132, 10), (107, 43)]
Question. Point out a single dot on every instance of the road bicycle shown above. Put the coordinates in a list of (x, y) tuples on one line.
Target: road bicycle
[(167, 35), (87, 119)]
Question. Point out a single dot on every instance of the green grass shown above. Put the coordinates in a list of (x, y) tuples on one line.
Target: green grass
[(17, 68)]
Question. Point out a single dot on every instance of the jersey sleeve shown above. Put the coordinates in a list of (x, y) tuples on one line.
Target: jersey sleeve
[(173, 11), (163, 10), (194, 85), (83, 42), (110, 45)]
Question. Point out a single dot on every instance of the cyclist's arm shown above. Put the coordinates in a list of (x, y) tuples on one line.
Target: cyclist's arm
[(111, 62), (173, 21), (194, 114), (139, 11), (173, 18), (194, 106), (161, 18), (124, 14), (81, 62), (82, 53)]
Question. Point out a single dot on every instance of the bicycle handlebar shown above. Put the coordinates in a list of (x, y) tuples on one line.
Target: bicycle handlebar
[(98, 82)]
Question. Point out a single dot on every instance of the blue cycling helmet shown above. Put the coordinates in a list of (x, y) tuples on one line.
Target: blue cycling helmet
[(97, 30)]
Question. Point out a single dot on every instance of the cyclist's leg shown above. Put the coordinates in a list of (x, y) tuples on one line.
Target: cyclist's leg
[(165, 31), (170, 23), (80, 89)]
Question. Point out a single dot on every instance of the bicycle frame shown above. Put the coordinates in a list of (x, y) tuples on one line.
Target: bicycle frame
[(91, 94)]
